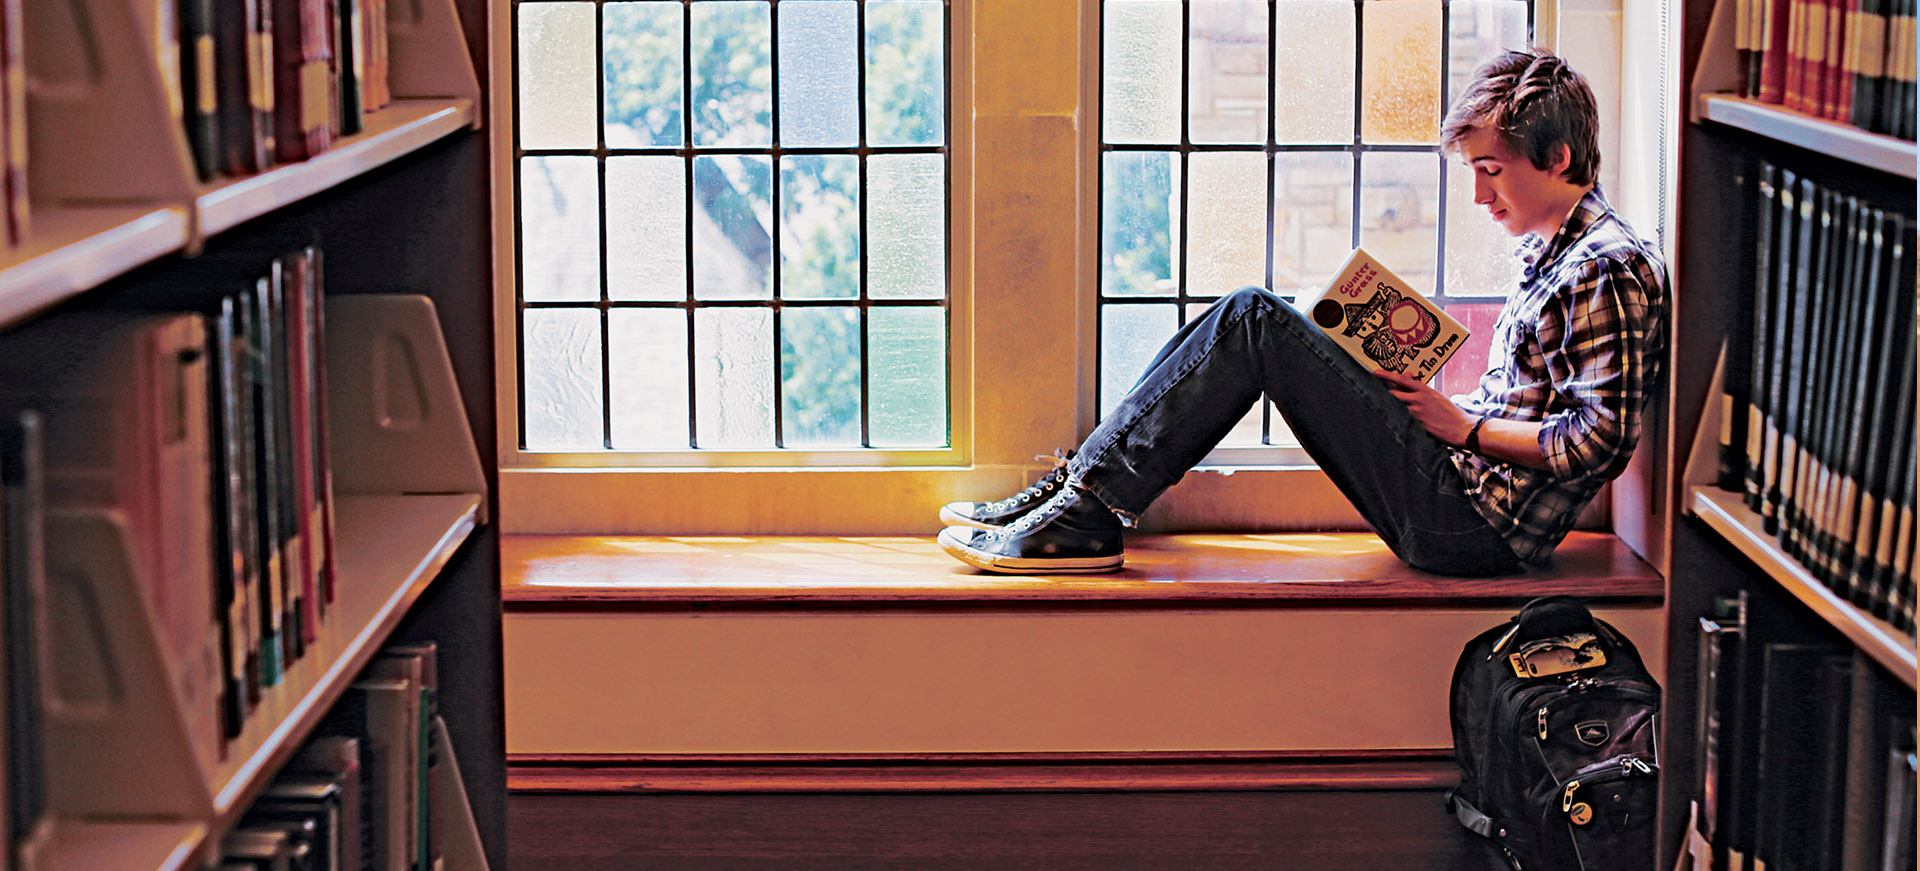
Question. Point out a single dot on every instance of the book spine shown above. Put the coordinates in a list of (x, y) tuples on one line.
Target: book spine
[(1758, 409), (1859, 557), (1778, 345), (21, 486), (1775, 61), (1869, 37), (13, 72)]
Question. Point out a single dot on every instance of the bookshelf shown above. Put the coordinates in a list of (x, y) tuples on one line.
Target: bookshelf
[(1729, 517), (120, 222), (1742, 608)]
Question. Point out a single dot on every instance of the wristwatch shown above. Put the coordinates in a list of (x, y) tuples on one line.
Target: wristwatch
[(1473, 435)]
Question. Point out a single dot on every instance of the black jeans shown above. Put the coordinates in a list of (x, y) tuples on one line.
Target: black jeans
[(1207, 377)]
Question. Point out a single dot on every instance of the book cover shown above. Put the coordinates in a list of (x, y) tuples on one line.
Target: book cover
[(1382, 321), (303, 78), (24, 577)]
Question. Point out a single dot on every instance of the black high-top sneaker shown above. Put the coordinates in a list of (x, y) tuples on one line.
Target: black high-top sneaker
[(994, 515), (1071, 532)]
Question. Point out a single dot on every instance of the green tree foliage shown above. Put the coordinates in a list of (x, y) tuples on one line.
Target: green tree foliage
[(729, 98)]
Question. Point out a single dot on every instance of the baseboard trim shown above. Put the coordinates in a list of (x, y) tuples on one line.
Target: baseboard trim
[(1156, 771)]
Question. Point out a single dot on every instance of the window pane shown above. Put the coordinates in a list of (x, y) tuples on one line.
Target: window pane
[(1462, 373), (1313, 72), (1140, 72), (1477, 30), (646, 228), (1227, 71), (1129, 337), (907, 226), (556, 76), (906, 72), (732, 73), (647, 365), (1140, 200), (1312, 219), (819, 227), (1400, 79), (908, 392), (1399, 207), (818, 89), (642, 63), (1227, 221), (559, 229), (561, 347), (1480, 253), (732, 247), (820, 376), (733, 377)]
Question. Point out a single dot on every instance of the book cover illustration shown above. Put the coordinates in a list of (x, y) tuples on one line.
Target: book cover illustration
[(1383, 322)]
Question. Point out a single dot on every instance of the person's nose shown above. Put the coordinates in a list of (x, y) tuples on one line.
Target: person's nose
[(1482, 189)]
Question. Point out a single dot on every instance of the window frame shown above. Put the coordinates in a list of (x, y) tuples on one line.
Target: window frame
[(509, 426)]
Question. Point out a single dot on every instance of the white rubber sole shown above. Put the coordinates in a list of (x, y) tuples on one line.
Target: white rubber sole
[(951, 517), (956, 547)]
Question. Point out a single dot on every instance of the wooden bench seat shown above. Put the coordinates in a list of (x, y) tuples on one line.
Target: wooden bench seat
[(541, 572)]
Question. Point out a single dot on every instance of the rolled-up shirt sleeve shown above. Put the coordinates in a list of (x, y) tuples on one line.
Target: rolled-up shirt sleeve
[(1593, 337)]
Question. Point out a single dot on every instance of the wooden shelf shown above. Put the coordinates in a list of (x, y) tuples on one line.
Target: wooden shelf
[(1832, 138), (77, 846), (1727, 514), (72, 250), (390, 549), (396, 131)]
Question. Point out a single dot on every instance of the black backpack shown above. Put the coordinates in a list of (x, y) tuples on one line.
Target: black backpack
[(1559, 766)]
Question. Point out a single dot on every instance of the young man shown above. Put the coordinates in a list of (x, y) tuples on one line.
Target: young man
[(1481, 484)]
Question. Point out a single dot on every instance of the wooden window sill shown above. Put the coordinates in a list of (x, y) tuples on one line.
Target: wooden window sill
[(544, 572)]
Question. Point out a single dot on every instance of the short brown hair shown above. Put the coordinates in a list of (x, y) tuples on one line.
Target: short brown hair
[(1535, 102)]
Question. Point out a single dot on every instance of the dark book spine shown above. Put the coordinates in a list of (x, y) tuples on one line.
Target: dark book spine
[(1894, 488), (1761, 349), (1868, 310), (1777, 346), (199, 85), (21, 487), (229, 569), (1796, 530), (1793, 405), (1843, 374), (1858, 559), (346, 51)]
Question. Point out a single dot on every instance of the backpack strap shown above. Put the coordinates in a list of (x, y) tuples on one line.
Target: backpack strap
[(1472, 817)]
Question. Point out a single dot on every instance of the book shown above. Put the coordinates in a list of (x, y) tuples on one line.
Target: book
[(24, 577), (199, 84), (1759, 403), (1382, 321), (13, 119), (303, 78), (338, 759), (244, 86)]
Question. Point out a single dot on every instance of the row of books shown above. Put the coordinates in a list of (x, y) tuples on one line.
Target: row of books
[(201, 437), (1845, 60), (1805, 750), (376, 789), (276, 81), (1824, 450)]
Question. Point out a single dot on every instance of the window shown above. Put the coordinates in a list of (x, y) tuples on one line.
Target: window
[(1230, 157), (731, 226)]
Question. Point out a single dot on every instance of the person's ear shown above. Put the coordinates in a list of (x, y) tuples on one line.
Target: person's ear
[(1561, 161)]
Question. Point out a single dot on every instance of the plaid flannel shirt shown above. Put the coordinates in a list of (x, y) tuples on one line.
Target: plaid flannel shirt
[(1578, 348)]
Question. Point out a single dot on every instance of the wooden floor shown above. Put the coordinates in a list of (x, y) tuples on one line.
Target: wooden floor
[(1401, 830)]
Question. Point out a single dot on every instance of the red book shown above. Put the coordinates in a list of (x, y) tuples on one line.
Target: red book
[(303, 79), (1776, 62), (1795, 97)]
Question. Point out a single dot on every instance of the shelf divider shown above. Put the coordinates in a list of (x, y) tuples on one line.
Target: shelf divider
[(1727, 514)]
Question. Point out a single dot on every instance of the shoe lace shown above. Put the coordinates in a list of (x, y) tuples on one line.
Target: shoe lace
[(1041, 489)]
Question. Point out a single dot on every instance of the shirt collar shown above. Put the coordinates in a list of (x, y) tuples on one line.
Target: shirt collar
[(1539, 254)]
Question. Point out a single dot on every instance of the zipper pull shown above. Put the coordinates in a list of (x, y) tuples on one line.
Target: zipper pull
[(1566, 799), (1543, 723), (1639, 765)]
